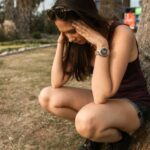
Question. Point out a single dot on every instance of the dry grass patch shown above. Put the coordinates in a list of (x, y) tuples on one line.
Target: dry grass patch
[(23, 124)]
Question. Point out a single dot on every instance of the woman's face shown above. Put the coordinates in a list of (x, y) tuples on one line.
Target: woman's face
[(70, 32)]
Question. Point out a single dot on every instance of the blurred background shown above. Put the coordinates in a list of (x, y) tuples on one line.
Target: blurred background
[(21, 19)]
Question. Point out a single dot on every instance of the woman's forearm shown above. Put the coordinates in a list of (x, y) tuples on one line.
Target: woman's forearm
[(57, 74), (101, 79)]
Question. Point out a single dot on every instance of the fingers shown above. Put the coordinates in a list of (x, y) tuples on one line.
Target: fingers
[(80, 27), (79, 23), (61, 38)]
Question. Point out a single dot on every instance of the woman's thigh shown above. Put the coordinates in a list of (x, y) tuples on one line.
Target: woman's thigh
[(70, 97), (116, 113)]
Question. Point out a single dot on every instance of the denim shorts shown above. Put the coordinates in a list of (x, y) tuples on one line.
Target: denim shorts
[(143, 111)]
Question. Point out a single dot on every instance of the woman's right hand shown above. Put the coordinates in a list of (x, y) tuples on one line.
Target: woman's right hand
[(61, 38)]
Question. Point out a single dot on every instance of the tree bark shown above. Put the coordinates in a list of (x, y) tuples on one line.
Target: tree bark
[(142, 141), (9, 10), (126, 3), (24, 11), (111, 9), (144, 39)]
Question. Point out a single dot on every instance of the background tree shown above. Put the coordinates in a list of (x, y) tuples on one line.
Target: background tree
[(25, 9), (7, 28), (9, 9), (113, 8), (1, 5), (144, 38), (126, 3), (1, 12)]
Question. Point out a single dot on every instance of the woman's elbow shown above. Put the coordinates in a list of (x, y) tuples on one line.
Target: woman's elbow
[(102, 98), (56, 85), (100, 101), (99, 98)]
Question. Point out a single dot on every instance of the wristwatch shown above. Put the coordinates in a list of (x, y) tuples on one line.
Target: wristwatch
[(104, 52)]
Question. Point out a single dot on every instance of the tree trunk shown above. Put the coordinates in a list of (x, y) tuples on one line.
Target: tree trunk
[(126, 3), (143, 136), (111, 9), (24, 12), (9, 10), (144, 38)]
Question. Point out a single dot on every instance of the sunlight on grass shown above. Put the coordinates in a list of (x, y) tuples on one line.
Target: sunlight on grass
[(17, 46)]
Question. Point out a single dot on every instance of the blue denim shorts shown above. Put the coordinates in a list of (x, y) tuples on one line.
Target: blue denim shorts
[(143, 111)]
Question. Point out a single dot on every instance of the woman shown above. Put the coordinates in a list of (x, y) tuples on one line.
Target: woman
[(89, 45)]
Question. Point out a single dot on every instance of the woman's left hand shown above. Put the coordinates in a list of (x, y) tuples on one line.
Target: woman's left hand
[(92, 36)]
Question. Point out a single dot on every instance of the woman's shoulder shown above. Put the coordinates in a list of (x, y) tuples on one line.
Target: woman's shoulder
[(121, 30), (120, 27), (123, 38)]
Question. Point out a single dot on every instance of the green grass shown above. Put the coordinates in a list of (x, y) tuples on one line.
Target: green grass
[(17, 44)]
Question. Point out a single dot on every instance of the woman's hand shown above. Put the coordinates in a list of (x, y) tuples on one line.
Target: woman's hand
[(92, 36), (61, 38)]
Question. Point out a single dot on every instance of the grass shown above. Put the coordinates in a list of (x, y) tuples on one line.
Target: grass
[(24, 125), (17, 44), (4, 48)]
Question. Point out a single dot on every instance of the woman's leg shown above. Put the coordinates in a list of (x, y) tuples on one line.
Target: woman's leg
[(65, 101), (103, 122), (99, 123)]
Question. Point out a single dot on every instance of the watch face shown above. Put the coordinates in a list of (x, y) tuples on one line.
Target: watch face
[(104, 52)]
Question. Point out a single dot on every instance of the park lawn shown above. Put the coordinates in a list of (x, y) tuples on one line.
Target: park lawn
[(24, 125), (15, 46), (27, 43)]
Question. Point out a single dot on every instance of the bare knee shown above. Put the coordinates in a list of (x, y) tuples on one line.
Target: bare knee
[(89, 123), (44, 97), (85, 125), (50, 98)]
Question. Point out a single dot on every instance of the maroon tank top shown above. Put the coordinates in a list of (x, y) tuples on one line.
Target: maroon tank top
[(133, 85)]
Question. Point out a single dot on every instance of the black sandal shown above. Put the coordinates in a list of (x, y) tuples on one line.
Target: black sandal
[(91, 145), (123, 144)]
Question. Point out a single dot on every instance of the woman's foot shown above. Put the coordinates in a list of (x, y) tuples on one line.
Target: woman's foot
[(90, 145), (123, 144)]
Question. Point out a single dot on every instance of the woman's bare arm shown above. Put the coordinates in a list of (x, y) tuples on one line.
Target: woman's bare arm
[(108, 71), (58, 78)]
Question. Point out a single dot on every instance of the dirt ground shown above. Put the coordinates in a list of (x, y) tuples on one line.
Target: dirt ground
[(23, 124)]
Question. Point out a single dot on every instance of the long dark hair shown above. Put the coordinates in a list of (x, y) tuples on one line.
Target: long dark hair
[(79, 56)]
